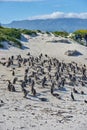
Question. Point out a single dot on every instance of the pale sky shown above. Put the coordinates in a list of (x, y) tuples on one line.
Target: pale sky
[(11, 10)]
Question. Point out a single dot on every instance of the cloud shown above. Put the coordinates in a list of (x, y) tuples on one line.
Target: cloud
[(55, 15), (20, 0)]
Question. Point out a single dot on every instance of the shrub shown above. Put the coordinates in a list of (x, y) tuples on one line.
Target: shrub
[(1, 46), (10, 35), (48, 33), (2, 38), (61, 33), (14, 41), (29, 32), (11, 32), (39, 31), (80, 32), (79, 36)]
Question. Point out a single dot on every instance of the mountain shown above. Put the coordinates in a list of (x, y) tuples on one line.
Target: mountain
[(60, 24)]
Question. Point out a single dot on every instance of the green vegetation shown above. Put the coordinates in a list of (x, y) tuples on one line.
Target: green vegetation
[(11, 32), (13, 40), (61, 33), (1, 46), (28, 32), (2, 38), (13, 36), (47, 32), (39, 31), (10, 35), (80, 32), (79, 36)]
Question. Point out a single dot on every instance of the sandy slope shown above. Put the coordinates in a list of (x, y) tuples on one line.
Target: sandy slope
[(41, 44), (18, 113)]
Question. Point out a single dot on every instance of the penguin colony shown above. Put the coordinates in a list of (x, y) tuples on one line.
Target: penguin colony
[(45, 72)]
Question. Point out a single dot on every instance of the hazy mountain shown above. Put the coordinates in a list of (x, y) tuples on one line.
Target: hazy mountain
[(60, 24)]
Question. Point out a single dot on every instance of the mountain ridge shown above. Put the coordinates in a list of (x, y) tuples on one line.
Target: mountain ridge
[(59, 24)]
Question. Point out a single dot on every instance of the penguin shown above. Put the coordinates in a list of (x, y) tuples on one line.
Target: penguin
[(13, 73), (52, 87), (9, 85), (13, 88), (72, 96), (14, 80), (82, 92), (75, 91), (85, 101), (25, 92), (34, 92)]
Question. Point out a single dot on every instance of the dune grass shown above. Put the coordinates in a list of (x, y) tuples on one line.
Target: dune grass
[(13, 36), (1, 46), (10, 35), (80, 32), (28, 32), (61, 33)]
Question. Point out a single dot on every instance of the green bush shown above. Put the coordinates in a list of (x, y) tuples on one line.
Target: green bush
[(1, 46), (2, 38), (78, 36), (28, 32), (47, 32), (10, 35), (61, 33), (14, 41), (11, 32), (81, 32), (39, 31)]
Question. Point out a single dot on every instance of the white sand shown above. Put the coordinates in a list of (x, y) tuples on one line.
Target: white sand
[(18, 113), (41, 44)]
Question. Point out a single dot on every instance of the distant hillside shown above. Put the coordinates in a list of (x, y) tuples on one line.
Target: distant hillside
[(61, 24)]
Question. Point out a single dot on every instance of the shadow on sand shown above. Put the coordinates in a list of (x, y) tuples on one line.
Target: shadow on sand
[(24, 47)]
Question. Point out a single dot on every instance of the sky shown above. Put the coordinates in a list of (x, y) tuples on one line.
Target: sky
[(14, 10)]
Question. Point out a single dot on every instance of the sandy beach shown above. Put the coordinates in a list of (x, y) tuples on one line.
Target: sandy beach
[(31, 113)]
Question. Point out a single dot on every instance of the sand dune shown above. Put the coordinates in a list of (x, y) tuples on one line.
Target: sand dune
[(31, 113)]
